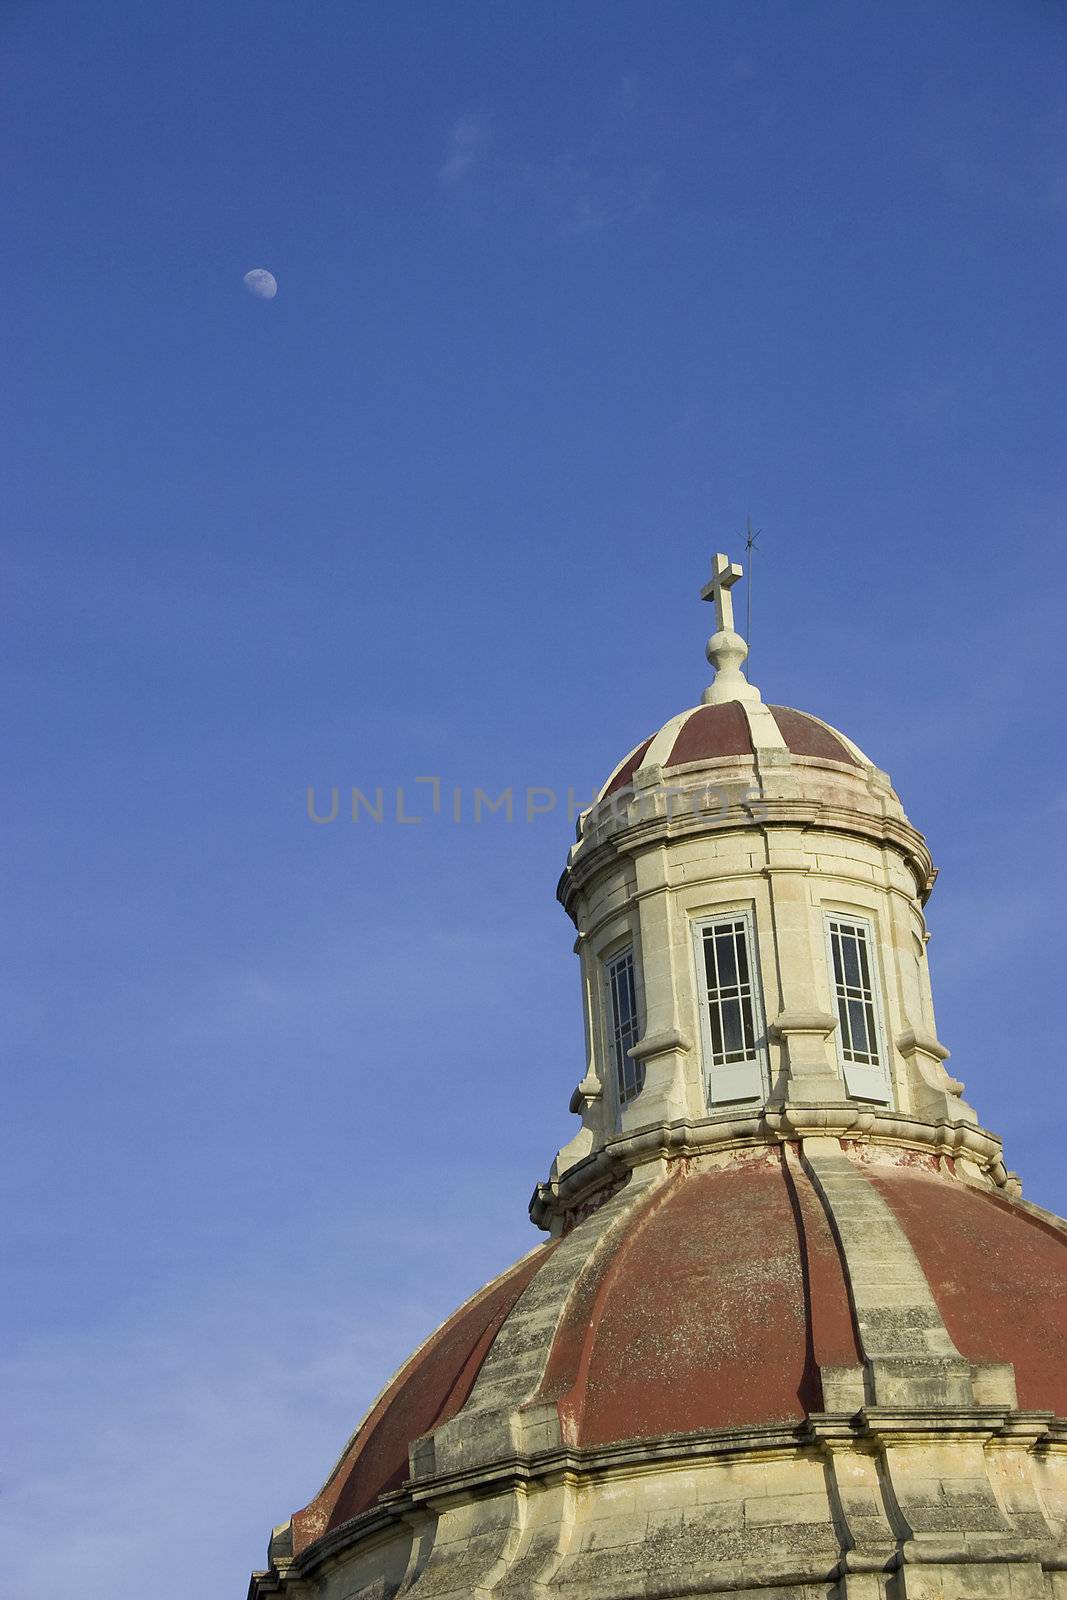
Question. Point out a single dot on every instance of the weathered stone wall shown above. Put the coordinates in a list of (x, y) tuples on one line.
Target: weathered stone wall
[(885, 1507)]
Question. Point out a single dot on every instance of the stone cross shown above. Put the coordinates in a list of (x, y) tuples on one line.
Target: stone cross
[(724, 574)]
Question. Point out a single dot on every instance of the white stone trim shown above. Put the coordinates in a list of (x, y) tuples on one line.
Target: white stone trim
[(765, 732), (909, 1353), (606, 785), (731, 1128), (663, 742)]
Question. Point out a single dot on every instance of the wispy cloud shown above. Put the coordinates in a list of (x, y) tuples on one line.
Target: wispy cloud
[(163, 1420), (469, 143), (607, 178)]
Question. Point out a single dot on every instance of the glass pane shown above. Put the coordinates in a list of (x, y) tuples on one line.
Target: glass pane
[(716, 1031), (726, 963), (731, 1004), (731, 1024), (852, 966), (842, 1017), (624, 1028), (857, 1016), (854, 992), (872, 1032), (742, 954), (749, 1028)]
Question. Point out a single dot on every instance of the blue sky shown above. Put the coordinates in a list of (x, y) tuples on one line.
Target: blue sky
[(565, 292)]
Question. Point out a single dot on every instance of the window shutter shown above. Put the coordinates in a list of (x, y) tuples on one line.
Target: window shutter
[(866, 1083), (744, 1081)]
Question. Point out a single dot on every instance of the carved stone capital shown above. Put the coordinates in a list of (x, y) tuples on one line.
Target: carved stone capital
[(936, 1091), (668, 1041), (787, 1023), (812, 1072), (585, 1093)]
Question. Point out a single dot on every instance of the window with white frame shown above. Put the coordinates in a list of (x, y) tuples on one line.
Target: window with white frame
[(860, 1044), (731, 1010), (624, 1026)]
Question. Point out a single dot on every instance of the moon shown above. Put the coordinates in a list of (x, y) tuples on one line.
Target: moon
[(261, 283)]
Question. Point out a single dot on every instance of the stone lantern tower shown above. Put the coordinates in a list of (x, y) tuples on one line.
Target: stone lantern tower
[(794, 1331)]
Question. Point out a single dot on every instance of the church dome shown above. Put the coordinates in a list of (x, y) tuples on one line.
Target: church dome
[(794, 1330), (709, 733), (720, 1300)]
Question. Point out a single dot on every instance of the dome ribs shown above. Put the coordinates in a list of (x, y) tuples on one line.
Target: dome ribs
[(433, 1386), (624, 776), (908, 1351), (833, 1345), (567, 1372), (697, 1320), (998, 1275), (506, 1404), (719, 732)]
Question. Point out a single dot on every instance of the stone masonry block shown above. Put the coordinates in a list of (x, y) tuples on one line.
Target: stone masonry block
[(784, 1509)]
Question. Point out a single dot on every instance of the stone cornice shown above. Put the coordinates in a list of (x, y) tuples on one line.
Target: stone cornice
[(592, 856), (821, 1432), (772, 1124)]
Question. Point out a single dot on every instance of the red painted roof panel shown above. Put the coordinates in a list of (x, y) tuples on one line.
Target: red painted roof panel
[(999, 1276), (712, 731)]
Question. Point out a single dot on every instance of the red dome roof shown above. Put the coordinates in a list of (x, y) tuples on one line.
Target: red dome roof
[(699, 1318), (998, 1272), (432, 1386), (715, 1307), (710, 732)]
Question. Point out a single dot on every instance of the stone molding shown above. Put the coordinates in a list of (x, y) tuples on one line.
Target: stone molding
[(837, 1496), (603, 844), (921, 1469), (792, 791), (979, 1152)]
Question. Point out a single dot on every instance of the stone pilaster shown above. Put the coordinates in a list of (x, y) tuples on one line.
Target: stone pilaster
[(910, 1357), (665, 1045)]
